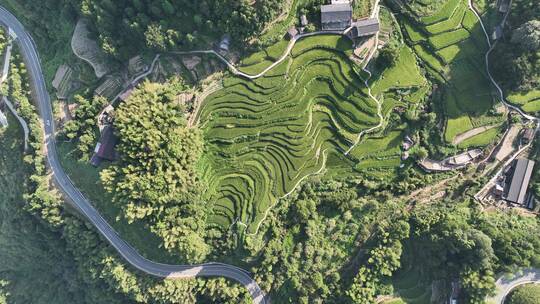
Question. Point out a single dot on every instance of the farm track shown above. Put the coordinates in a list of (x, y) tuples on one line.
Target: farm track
[(473, 132)]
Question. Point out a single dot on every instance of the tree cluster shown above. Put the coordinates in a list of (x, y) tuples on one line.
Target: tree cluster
[(83, 125), (156, 179), (527, 294), (40, 199), (125, 27), (382, 260), (517, 57)]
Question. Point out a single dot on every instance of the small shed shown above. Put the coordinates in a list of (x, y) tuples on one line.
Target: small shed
[(3, 119), (303, 20), (292, 32), (408, 143), (225, 43), (497, 33), (528, 136), (498, 190), (405, 155)]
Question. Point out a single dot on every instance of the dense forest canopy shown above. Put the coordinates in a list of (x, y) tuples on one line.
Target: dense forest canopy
[(124, 26), (518, 54)]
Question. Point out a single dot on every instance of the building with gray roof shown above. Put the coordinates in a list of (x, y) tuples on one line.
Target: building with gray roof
[(521, 177), (336, 17), (365, 27)]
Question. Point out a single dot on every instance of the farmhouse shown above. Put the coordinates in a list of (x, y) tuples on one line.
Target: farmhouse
[(365, 27), (516, 190), (105, 148), (336, 16)]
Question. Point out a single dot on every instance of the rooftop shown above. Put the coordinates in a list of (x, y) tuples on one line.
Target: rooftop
[(366, 27), (521, 177), (105, 148), (336, 16)]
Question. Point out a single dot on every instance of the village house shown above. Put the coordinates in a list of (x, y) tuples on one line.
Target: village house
[(106, 147), (336, 16), (365, 27)]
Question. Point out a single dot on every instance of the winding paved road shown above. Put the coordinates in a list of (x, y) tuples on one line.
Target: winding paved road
[(506, 285), (41, 95)]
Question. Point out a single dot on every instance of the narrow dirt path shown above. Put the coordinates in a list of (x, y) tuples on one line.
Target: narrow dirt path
[(464, 136)]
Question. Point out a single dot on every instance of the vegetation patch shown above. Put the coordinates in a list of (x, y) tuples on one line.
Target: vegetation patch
[(525, 294), (529, 101)]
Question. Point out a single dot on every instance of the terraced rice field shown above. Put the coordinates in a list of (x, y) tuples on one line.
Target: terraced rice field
[(528, 101), (451, 44), (265, 136)]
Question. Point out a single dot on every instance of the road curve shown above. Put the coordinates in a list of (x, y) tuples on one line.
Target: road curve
[(505, 284), (33, 65)]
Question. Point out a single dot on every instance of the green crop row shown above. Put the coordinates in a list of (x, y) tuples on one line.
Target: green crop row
[(448, 38), (452, 23), (444, 13)]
